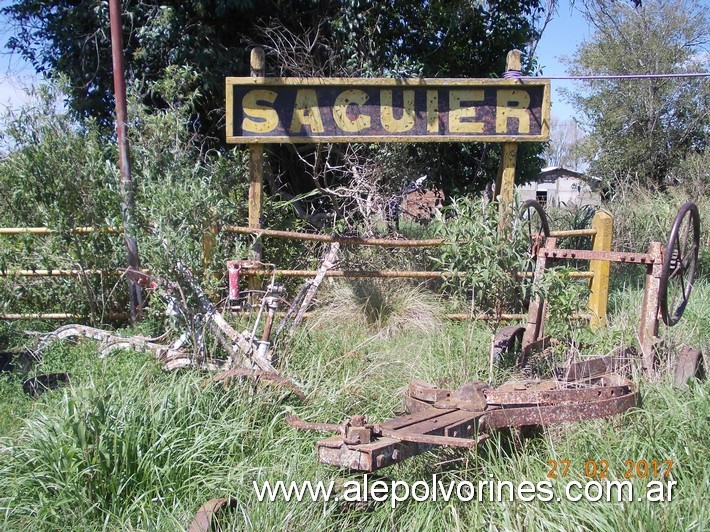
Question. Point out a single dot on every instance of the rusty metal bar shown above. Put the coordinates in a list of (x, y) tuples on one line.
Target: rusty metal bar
[(353, 241), (561, 413), (124, 156), (648, 327), (536, 310), (61, 273), (432, 439), (352, 274), (451, 316), (505, 317), (378, 274), (571, 275), (60, 316), (47, 231), (573, 232), (611, 256), (549, 397)]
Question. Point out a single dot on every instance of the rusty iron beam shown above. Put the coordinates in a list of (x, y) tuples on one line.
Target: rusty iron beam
[(571, 275), (430, 439), (560, 413), (548, 397), (650, 311), (352, 274), (344, 240), (47, 231), (124, 155), (573, 232), (355, 274), (596, 366), (611, 256)]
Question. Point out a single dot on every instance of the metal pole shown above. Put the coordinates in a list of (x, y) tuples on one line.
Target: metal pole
[(124, 161)]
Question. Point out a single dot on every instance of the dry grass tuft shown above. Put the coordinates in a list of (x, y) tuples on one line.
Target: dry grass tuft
[(386, 306)]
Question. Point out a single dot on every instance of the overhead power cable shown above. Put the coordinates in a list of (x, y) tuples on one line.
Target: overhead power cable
[(516, 74)]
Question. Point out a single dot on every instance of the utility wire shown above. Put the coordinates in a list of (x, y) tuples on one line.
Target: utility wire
[(515, 74)]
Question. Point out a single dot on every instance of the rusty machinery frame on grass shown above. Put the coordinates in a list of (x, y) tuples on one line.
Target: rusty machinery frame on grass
[(579, 390)]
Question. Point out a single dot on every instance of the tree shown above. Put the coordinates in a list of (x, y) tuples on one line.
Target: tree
[(72, 39), (563, 148), (643, 127), (211, 38)]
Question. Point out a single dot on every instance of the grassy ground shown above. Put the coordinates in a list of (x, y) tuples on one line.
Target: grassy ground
[(129, 447)]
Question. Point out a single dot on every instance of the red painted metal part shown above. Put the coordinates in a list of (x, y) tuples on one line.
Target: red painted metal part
[(234, 269)]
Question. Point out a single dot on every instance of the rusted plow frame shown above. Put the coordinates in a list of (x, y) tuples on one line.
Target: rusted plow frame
[(465, 417), (589, 389), (670, 272)]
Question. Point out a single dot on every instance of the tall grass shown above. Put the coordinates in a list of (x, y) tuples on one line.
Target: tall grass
[(130, 447)]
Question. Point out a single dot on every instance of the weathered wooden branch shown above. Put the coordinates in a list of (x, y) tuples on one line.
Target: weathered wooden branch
[(328, 264)]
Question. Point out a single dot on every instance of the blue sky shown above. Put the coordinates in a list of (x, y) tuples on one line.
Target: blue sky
[(562, 36), (15, 74)]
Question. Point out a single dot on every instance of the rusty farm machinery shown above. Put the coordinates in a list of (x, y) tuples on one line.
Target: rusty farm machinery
[(594, 387)]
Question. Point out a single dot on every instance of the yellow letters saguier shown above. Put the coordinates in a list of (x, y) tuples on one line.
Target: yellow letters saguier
[(275, 110)]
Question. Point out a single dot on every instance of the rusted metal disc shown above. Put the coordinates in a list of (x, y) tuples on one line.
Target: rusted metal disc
[(688, 366), (205, 516)]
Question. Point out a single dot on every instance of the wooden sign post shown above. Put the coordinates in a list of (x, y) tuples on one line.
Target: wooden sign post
[(256, 165), (505, 181)]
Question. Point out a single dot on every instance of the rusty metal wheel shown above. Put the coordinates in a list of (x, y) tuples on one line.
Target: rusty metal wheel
[(535, 226), (535, 229), (679, 263)]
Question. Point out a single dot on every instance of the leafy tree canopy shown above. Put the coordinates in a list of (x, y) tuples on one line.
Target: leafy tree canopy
[(454, 38), (644, 128)]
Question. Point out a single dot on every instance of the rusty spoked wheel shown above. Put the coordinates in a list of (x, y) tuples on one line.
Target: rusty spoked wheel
[(679, 263), (535, 229), (535, 226)]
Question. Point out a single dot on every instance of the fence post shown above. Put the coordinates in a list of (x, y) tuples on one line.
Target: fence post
[(599, 285)]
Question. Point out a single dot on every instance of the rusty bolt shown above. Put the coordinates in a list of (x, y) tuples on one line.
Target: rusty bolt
[(358, 421), (380, 461), (396, 455)]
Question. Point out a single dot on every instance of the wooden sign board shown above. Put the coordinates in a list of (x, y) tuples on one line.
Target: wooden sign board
[(291, 110)]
